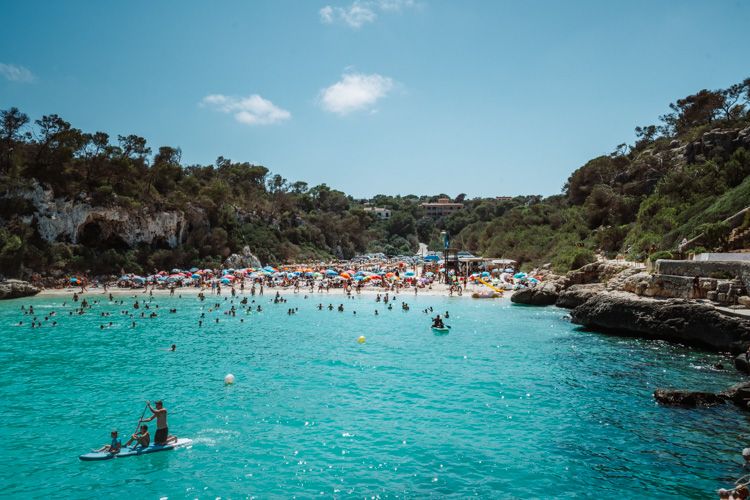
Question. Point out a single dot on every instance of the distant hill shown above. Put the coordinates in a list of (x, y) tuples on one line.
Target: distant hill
[(75, 202)]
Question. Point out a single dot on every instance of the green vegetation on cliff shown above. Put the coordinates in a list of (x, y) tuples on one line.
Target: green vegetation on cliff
[(679, 179)]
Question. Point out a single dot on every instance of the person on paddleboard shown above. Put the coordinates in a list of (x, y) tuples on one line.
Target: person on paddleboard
[(162, 435), (113, 447), (143, 438), (437, 322)]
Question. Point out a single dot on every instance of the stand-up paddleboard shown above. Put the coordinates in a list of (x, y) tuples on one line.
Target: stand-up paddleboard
[(445, 329), (127, 452)]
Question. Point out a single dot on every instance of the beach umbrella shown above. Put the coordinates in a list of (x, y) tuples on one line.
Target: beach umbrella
[(409, 273), (138, 279), (388, 275), (485, 274), (424, 280), (194, 270), (317, 275), (519, 275), (534, 280), (429, 274), (224, 280), (229, 276), (196, 276), (175, 271), (345, 275), (121, 277), (359, 273), (376, 277), (432, 258), (359, 278), (331, 272), (509, 270), (309, 273)]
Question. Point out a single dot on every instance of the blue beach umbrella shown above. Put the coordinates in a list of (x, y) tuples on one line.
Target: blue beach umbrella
[(485, 274), (509, 270), (519, 275)]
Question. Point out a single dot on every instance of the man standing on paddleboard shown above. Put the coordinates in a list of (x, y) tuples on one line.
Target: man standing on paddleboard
[(162, 435)]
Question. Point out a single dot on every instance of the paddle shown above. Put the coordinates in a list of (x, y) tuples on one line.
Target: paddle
[(140, 419)]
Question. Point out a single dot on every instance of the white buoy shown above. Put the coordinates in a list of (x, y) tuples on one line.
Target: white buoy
[(229, 379)]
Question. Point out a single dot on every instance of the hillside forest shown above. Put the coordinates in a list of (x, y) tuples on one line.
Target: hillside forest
[(680, 178)]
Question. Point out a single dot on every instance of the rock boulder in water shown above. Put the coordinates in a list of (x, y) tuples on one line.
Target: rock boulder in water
[(687, 399), (578, 294), (13, 289), (538, 296), (673, 319)]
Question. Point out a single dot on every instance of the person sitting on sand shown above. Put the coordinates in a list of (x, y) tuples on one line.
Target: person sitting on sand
[(143, 438), (113, 447)]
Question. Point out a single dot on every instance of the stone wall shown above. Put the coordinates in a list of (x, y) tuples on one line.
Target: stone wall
[(705, 269)]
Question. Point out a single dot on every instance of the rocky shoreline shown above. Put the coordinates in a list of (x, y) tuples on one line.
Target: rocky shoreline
[(608, 297), (14, 289)]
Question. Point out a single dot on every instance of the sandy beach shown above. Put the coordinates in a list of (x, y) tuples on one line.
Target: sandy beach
[(437, 290)]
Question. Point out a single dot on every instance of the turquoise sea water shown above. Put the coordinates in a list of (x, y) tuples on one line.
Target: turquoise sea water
[(515, 402)]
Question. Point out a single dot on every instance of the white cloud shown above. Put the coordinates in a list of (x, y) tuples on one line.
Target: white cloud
[(253, 110), (354, 92), (16, 73), (360, 11)]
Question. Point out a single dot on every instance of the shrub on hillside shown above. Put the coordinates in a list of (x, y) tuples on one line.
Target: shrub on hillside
[(661, 255)]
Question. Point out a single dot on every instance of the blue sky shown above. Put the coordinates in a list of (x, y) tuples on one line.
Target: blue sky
[(487, 98)]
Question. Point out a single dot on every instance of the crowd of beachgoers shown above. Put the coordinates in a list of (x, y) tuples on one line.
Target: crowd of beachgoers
[(394, 277)]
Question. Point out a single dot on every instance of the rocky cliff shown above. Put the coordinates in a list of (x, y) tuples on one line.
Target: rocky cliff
[(671, 319), (78, 221)]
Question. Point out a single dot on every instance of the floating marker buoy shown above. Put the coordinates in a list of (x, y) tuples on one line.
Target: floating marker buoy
[(229, 379), (362, 339)]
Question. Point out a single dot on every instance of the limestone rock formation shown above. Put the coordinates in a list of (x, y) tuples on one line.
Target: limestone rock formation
[(77, 221), (687, 399), (239, 261), (541, 295), (673, 319), (738, 393), (578, 294), (740, 362), (13, 289)]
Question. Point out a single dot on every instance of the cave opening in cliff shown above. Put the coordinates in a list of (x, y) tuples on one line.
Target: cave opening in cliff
[(91, 235)]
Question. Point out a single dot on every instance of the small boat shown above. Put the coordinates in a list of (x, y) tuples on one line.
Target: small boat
[(127, 452), (486, 295)]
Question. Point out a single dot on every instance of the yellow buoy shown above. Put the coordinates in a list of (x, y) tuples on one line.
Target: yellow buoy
[(362, 339)]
